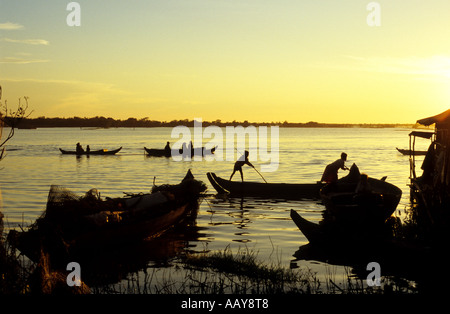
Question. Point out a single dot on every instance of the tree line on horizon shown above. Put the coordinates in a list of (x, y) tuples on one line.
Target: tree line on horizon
[(103, 122)]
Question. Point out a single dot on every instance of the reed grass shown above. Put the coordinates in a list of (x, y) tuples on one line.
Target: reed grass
[(222, 272), (14, 271), (241, 272), (210, 272)]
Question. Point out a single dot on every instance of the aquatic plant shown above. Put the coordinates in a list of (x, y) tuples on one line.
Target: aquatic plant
[(12, 119)]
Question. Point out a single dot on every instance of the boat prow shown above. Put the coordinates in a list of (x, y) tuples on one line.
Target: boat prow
[(92, 152), (211, 177), (312, 231)]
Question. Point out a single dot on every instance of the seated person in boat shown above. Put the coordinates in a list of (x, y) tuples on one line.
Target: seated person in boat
[(330, 173), (167, 148), (79, 149), (241, 162)]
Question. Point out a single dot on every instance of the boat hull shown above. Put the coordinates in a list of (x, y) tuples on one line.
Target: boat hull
[(154, 152), (343, 202), (77, 226), (265, 190), (411, 152), (93, 152), (131, 231), (202, 151)]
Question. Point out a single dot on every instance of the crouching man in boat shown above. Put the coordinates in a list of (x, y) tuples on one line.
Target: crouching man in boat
[(241, 162), (167, 149), (79, 149), (330, 174)]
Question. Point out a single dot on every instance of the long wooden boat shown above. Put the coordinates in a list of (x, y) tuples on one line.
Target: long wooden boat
[(92, 152), (73, 226), (412, 152), (338, 237), (343, 245), (377, 202), (265, 190), (200, 151)]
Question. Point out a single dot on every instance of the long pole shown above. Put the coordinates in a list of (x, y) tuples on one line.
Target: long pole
[(260, 174)]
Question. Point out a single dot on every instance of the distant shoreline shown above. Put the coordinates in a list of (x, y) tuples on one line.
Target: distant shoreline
[(102, 122)]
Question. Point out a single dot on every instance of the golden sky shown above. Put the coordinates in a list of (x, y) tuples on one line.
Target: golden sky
[(255, 60)]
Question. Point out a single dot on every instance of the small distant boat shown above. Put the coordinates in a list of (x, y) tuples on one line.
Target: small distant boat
[(412, 152), (155, 152), (265, 190), (200, 151), (412, 143), (92, 152)]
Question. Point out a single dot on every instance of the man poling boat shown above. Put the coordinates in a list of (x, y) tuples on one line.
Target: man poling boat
[(243, 160)]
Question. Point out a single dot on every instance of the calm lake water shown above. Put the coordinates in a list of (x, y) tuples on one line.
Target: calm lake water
[(33, 163)]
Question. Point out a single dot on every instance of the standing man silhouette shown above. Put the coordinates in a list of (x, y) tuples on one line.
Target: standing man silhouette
[(241, 162)]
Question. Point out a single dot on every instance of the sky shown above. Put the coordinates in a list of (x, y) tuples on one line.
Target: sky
[(327, 61)]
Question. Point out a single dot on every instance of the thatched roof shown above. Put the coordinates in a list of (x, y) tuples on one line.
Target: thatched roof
[(442, 118)]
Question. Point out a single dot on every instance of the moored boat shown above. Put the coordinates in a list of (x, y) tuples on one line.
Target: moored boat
[(72, 226), (265, 190), (359, 245), (346, 200), (200, 151), (92, 152), (330, 232), (156, 152), (411, 152)]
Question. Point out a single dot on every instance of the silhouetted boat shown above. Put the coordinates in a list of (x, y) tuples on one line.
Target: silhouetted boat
[(350, 217), (200, 151), (345, 246), (73, 225), (378, 201), (265, 190), (155, 152), (412, 152), (92, 152)]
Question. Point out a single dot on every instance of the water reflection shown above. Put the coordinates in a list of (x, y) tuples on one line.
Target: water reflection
[(256, 220), (112, 266), (221, 221)]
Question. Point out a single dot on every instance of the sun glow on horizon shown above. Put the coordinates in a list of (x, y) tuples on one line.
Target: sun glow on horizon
[(262, 61)]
